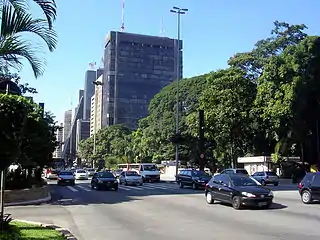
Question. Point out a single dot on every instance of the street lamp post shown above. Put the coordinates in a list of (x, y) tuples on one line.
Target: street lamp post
[(96, 83), (178, 11)]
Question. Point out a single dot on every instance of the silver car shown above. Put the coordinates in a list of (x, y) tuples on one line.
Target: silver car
[(266, 178), (130, 178)]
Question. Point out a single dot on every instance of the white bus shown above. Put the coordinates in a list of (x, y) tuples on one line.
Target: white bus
[(148, 171)]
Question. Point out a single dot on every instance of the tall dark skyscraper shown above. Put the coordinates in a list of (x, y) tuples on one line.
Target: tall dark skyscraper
[(136, 67), (90, 77), (81, 94)]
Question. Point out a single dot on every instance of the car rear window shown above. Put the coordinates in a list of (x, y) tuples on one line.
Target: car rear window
[(66, 173), (271, 174), (132, 173), (53, 172), (81, 171), (242, 171), (105, 175)]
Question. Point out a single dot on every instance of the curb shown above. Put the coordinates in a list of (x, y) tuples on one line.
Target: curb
[(63, 231), (31, 202), (172, 182)]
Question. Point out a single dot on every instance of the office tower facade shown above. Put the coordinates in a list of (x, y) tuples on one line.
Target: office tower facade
[(70, 148), (136, 67), (90, 77), (82, 131), (59, 138), (67, 124), (96, 108), (81, 94)]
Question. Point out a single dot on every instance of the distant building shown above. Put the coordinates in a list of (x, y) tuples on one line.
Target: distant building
[(67, 124), (81, 94), (136, 68), (83, 131), (96, 108), (90, 77), (59, 138)]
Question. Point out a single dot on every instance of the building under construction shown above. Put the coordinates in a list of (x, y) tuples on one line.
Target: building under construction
[(136, 67)]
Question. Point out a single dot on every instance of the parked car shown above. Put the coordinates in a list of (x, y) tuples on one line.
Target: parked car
[(81, 174), (309, 187), (104, 180), (51, 174), (235, 171), (195, 178), (266, 178), (130, 178), (239, 190), (66, 177), (90, 171)]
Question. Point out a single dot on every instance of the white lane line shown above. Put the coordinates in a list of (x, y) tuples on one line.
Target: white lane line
[(134, 188), (72, 189), (84, 188), (123, 188)]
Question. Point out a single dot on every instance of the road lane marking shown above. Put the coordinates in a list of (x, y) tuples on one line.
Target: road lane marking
[(84, 188), (72, 189)]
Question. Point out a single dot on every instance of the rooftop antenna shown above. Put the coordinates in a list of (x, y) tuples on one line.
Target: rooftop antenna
[(162, 32), (92, 65), (122, 24)]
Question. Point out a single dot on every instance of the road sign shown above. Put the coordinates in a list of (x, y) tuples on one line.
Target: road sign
[(201, 155)]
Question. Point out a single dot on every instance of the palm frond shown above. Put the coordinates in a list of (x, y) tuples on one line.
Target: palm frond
[(49, 8), (14, 48), (14, 21)]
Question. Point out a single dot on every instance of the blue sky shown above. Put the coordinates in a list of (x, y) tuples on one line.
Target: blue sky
[(212, 31)]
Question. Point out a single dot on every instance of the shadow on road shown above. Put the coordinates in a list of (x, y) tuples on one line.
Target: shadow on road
[(284, 187), (274, 206), (61, 195)]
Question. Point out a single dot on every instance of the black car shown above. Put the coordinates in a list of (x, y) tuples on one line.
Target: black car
[(309, 187), (105, 180), (196, 179), (239, 190)]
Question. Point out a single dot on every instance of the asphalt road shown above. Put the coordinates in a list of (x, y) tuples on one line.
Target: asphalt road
[(164, 211)]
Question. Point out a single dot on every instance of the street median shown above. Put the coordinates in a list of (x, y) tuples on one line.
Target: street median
[(27, 196)]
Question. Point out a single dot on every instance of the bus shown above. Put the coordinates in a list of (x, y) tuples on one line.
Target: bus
[(148, 171)]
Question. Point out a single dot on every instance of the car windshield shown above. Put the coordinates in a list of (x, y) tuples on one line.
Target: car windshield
[(200, 174), (243, 181), (271, 174), (81, 171), (66, 173), (90, 170), (132, 173), (105, 175), (150, 168)]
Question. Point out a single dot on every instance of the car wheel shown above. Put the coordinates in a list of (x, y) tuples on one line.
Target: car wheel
[(263, 182), (180, 184), (115, 189), (276, 184), (73, 183), (58, 183), (236, 202), (209, 198), (92, 186), (126, 183), (194, 186), (306, 197), (140, 184)]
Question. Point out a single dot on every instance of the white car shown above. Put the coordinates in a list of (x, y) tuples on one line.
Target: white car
[(81, 174), (130, 178), (66, 177), (90, 172)]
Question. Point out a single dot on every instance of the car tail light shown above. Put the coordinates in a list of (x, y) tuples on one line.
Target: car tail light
[(207, 185), (300, 185), (59, 178)]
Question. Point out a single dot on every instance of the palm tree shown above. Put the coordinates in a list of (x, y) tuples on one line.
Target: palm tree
[(15, 22)]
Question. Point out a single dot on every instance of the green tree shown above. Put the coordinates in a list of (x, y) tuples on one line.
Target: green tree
[(16, 20), (14, 111)]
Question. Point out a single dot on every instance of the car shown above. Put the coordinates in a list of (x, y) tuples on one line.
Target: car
[(104, 179), (130, 178), (266, 178), (90, 172), (240, 190), (235, 171), (66, 177), (117, 173), (51, 174), (195, 178), (81, 174), (309, 187)]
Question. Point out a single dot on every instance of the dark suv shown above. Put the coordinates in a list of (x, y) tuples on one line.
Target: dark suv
[(196, 179), (309, 187)]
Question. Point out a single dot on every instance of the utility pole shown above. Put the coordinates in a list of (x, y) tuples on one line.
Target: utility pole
[(96, 83), (178, 11)]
